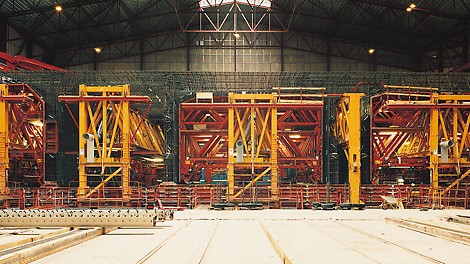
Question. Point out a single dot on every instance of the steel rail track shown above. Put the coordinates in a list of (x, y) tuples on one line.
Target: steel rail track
[(40, 242), (375, 238), (200, 259), (159, 246)]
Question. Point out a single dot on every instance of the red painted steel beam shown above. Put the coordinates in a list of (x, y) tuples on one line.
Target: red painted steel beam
[(88, 98)]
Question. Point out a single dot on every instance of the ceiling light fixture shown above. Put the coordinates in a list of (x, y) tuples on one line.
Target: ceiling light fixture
[(371, 51), (411, 7), (236, 35), (97, 50), (58, 8)]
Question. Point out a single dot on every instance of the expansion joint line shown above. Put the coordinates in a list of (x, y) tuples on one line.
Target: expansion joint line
[(159, 246)]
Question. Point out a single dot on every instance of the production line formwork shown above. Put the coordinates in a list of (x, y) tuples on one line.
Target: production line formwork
[(252, 138), (268, 146), (104, 138), (421, 136), (25, 137)]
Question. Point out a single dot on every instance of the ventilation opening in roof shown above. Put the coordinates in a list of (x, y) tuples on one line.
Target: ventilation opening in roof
[(256, 3)]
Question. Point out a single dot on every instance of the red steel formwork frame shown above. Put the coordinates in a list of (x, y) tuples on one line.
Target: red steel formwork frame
[(399, 135), (203, 137), (27, 136)]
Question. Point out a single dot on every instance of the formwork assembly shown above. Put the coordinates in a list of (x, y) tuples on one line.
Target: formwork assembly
[(277, 147)]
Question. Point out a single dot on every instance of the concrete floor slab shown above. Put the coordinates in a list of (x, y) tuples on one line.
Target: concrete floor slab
[(197, 236)]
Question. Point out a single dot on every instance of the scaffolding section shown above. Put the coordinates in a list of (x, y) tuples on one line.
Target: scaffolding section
[(399, 136), (105, 136), (23, 138), (252, 140), (252, 144), (449, 146)]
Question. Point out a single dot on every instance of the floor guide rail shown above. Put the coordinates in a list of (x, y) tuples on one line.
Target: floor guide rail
[(388, 242), (280, 252), (453, 233), (59, 241), (163, 243)]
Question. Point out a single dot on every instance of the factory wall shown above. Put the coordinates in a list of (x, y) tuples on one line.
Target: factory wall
[(217, 53), (17, 46)]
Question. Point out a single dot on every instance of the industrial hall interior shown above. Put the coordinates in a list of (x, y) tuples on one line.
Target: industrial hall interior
[(234, 131)]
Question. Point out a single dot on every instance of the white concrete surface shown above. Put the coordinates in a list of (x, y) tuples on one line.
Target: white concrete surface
[(307, 236)]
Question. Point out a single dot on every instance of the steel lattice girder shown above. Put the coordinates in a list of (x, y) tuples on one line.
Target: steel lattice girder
[(26, 137), (203, 129)]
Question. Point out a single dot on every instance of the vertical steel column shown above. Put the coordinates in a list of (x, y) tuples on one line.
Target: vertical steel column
[(126, 156), (354, 154), (3, 34), (274, 163), (433, 146), (231, 144), (82, 129), (4, 159)]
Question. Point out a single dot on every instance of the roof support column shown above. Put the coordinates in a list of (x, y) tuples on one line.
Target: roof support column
[(440, 57), (466, 42), (328, 55), (282, 52), (141, 53), (3, 35), (188, 44)]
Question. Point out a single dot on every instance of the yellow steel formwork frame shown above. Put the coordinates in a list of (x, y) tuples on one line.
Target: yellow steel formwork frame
[(4, 159), (348, 130), (450, 120), (252, 118), (108, 115)]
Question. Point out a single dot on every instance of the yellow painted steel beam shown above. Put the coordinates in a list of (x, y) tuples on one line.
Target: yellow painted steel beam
[(252, 182), (433, 147), (455, 183), (353, 121), (103, 182), (231, 152), (126, 152), (82, 129), (452, 97), (273, 152), (4, 138)]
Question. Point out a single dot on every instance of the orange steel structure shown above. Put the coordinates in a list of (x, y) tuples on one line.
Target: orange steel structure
[(276, 131), (399, 135)]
